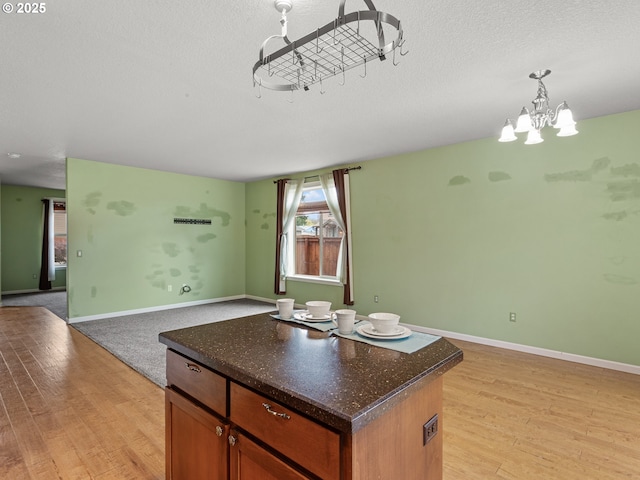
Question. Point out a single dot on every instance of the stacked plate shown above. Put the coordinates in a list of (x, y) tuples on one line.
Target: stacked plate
[(397, 333), (305, 316)]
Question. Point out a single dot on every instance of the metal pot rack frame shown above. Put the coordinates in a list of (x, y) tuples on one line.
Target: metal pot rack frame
[(329, 51)]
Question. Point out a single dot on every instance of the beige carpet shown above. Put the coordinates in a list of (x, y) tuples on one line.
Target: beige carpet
[(134, 338), (55, 301)]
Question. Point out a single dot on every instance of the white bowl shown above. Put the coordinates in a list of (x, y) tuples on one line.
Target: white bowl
[(384, 322), (318, 308)]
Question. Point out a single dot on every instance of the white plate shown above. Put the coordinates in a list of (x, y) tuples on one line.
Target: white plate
[(397, 330), (368, 331), (305, 317)]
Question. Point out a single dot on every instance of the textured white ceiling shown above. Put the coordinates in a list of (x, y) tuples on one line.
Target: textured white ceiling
[(167, 84)]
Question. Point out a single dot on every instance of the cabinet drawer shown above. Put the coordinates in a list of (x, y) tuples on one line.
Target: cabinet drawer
[(197, 381), (304, 441)]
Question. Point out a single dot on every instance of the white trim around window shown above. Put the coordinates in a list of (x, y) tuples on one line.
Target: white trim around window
[(315, 279)]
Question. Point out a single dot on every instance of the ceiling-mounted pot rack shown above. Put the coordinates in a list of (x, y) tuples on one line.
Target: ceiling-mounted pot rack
[(327, 52)]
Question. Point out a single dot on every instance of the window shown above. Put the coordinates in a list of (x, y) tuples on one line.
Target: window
[(313, 232), (318, 235), (60, 233)]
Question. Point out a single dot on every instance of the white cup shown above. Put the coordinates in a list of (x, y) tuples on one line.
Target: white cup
[(344, 320), (384, 322), (318, 308), (285, 308)]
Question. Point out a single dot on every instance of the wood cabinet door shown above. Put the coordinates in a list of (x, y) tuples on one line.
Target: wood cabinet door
[(196, 441), (249, 461)]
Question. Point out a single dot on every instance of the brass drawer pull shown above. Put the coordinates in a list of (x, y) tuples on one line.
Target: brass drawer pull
[(192, 367), (281, 415)]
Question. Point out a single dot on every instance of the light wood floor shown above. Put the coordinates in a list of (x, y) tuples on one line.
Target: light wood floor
[(512, 415), (70, 410)]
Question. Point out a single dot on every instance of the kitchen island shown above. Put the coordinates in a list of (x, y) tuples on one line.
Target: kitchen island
[(255, 397)]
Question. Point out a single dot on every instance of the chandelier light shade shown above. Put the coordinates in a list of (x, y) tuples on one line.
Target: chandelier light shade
[(532, 122), (350, 40)]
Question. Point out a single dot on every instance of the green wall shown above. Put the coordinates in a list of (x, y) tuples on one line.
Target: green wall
[(456, 238), (121, 219), (21, 245), (0, 239)]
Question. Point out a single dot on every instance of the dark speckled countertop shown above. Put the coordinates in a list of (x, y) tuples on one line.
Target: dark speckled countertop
[(342, 383)]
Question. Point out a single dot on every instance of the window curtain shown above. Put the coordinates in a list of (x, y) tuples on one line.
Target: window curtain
[(336, 191), (47, 265), (289, 195)]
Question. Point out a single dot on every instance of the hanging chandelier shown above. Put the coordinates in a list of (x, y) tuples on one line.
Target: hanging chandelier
[(541, 115), (328, 51)]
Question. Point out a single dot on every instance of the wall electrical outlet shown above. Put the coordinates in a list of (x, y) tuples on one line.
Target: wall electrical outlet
[(376, 298), (430, 429), (512, 316)]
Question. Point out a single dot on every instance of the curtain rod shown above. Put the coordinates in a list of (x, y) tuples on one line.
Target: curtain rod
[(55, 199), (317, 176)]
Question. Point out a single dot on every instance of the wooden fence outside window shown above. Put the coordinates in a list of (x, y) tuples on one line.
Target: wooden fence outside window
[(308, 255)]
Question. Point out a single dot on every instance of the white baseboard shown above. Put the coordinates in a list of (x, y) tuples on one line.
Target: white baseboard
[(31, 290), (153, 309), (544, 352), (260, 299)]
